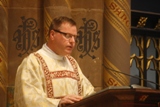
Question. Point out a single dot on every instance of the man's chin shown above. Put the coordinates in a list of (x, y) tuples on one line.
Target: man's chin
[(68, 53)]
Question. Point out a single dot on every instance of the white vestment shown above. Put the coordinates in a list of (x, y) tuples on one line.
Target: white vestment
[(44, 77)]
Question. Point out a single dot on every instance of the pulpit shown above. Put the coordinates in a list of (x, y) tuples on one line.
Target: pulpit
[(121, 97)]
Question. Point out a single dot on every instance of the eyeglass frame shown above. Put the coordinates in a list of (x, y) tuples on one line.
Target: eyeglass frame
[(65, 34)]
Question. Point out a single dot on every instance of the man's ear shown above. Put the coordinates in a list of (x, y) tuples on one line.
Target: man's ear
[(52, 34)]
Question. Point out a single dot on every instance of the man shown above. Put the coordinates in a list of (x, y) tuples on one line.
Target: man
[(50, 77)]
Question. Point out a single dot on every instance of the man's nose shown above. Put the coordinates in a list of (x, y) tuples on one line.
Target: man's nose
[(72, 39)]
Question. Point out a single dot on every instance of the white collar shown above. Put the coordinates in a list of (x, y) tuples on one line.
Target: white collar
[(47, 51)]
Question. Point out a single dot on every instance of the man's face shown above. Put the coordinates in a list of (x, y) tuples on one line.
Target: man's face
[(64, 41)]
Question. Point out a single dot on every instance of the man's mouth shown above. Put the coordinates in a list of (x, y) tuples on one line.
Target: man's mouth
[(70, 47)]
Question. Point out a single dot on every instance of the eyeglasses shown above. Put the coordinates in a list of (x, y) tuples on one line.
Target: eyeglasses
[(66, 35)]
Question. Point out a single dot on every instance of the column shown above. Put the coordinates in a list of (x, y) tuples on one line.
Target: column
[(89, 45), (25, 26), (116, 42), (3, 53), (52, 9)]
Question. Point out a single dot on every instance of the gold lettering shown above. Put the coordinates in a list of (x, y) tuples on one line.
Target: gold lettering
[(112, 82), (143, 97), (120, 13), (113, 6)]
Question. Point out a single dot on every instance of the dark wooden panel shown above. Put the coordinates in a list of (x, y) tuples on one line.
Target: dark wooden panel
[(121, 98)]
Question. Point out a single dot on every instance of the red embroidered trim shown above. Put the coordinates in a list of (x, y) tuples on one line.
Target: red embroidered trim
[(59, 74), (47, 76), (65, 73), (73, 63)]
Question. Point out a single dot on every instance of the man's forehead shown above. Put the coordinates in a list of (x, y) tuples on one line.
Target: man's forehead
[(66, 24)]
